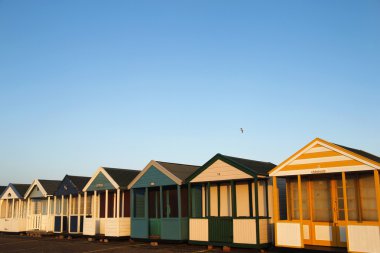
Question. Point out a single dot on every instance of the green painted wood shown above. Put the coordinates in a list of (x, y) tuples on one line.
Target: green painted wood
[(196, 201), (153, 177), (161, 203), (189, 202), (139, 203), (179, 201), (176, 229), (100, 183), (140, 228), (132, 203), (257, 210), (220, 229), (155, 227)]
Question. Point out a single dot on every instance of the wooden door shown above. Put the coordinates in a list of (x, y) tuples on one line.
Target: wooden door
[(328, 227)]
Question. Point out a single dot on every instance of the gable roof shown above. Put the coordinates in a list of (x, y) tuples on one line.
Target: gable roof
[(21, 188), (2, 189), (363, 159), (181, 171), (18, 189), (362, 153), (78, 181), (119, 178), (47, 187), (50, 186), (251, 167), (175, 171), (71, 185)]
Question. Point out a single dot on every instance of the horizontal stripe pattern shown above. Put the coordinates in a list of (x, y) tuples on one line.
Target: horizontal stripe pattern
[(322, 165), (321, 157)]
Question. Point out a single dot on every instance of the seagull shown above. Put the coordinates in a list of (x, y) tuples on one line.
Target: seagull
[(242, 130)]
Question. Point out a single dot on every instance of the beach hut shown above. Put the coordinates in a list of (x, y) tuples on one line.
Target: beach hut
[(230, 203), (109, 214), (13, 208), (69, 205), (40, 205), (333, 198), (159, 202)]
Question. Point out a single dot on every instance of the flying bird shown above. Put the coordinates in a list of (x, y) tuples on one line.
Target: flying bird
[(242, 130)]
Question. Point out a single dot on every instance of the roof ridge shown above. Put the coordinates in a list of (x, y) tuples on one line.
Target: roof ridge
[(179, 164), (246, 159)]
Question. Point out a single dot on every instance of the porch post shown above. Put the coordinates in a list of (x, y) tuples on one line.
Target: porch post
[(114, 205), (93, 204), (189, 203), (55, 206), (13, 208), (179, 202), (106, 212), (122, 204), (218, 185), (300, 206), (257, 214), (146, 203), (161, 204), (132, 203), (344, 184), (208, 200), (233, 198), (69, 213), (118, 203), (275, 202), (85, 206), (250, 199), (79, 212), (377, 187), (6, 208), (62, 207), (266, 198)]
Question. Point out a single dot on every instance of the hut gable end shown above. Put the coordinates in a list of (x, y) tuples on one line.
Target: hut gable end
[(219, 171), (100, 183), (153, 177), (320, 157)]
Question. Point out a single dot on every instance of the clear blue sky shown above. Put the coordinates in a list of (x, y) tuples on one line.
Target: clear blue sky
[(91, 83)]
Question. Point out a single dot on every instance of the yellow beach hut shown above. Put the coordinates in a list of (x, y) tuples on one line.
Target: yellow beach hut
[(333, 198)]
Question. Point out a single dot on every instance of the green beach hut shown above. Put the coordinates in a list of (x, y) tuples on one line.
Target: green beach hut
[(159, 202)]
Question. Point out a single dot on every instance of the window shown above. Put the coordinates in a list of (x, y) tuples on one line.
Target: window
[(139, 203), (170, 205), (196, 201), (322, 200), (293, 199), (154, 203), (361, 197)]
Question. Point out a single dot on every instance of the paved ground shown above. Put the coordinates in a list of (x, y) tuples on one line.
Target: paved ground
[(24, 244)]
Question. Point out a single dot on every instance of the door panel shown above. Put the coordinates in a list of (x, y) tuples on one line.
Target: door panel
[(220, 229), (155, 228)]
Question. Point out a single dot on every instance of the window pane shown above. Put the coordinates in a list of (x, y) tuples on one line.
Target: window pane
[(305, 199), (170, 205), (339, 192), (154, 203), (322, 200), (352, 200), (293, 187), (368, 197), (139, 204)]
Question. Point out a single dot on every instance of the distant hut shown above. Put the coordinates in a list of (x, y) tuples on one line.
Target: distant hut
[(109, 214), (40, 205), (69, 205), (230, 203), (159, 202)]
